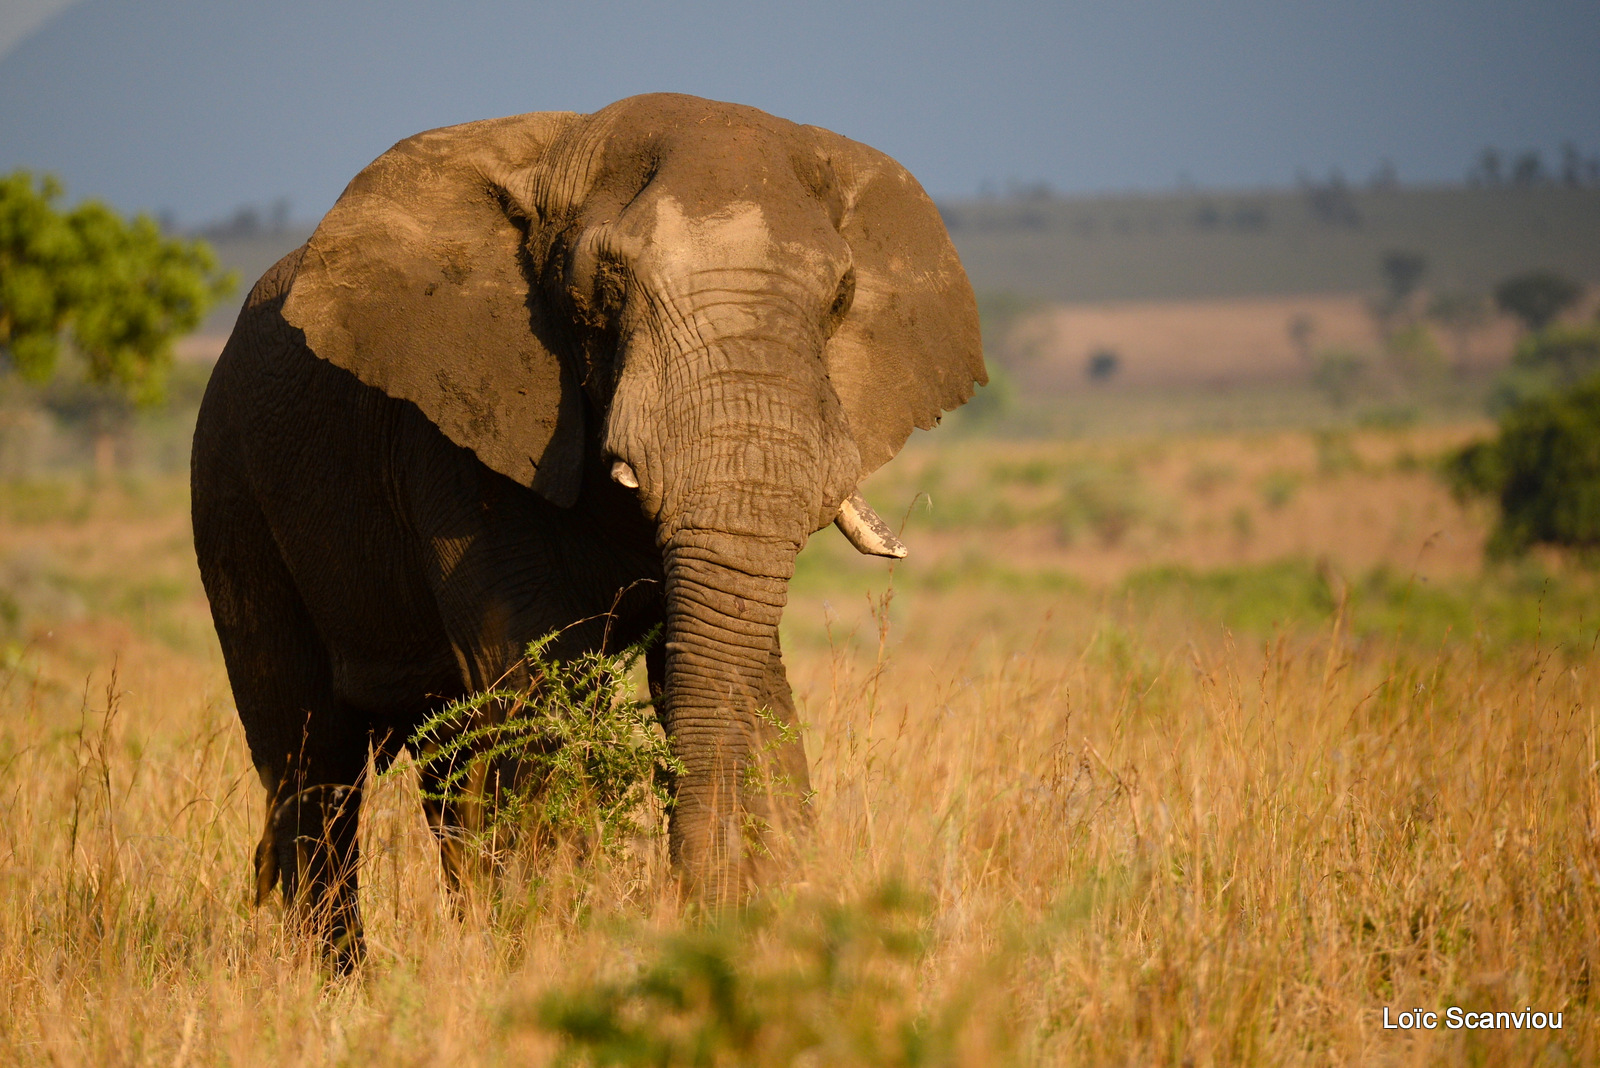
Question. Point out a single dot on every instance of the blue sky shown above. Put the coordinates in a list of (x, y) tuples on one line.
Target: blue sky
[(197, 106)]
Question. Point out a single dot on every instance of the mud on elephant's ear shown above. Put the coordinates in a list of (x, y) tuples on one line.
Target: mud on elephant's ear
[(415, 283), (909, 348)]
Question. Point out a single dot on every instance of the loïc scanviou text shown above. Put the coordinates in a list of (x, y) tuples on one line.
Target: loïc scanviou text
[(1456, 1018)]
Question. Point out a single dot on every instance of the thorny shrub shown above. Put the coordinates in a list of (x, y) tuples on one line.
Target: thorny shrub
[(836, 984), (575, 754)]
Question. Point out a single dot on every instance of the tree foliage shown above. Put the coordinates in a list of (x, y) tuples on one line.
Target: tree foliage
[(1556, 358), (1402, 273), (1544, 470), (1536, 297), (120, 290)]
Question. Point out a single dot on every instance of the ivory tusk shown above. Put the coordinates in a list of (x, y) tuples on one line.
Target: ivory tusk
[(866, 529), (621, 472)]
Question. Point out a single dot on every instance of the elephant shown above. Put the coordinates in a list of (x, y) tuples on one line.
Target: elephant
[(584, 373)]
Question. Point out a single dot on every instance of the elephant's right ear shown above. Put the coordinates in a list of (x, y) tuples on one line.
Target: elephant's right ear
[(909, 349), (415, 282)]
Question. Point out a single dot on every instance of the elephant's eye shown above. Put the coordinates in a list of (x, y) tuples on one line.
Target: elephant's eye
[(842, 298), (609, 288)]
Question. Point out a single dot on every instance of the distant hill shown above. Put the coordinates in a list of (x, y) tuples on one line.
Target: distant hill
[(1322, 239), (1194, 246)]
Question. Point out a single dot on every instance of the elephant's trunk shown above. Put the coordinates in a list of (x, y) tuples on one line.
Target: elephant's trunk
[(738, 466), (725, 595)]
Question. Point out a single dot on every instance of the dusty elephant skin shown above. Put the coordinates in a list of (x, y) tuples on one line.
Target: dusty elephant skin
[(591, 373)]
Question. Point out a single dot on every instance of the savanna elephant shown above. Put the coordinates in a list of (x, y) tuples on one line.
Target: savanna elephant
[(586, 373)]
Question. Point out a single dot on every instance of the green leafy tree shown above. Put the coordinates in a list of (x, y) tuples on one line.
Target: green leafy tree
[(1544, 470), (1536, 297), (1556, 358), (120, 290)]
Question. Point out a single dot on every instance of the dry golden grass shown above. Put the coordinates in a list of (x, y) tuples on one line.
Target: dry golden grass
[(1100, 510), (1124, 834)]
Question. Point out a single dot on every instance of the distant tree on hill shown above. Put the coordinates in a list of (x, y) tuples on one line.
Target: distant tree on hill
[(1572, 165), (1302, 329), (1461, 315), (249, 221), (1486, 171), (1402, 273), (1332, 203), (1103, 365), (1536, 297), (1528, 170), (119, 290)]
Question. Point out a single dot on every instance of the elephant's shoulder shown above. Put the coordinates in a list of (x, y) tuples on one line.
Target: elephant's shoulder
[(273, 285)]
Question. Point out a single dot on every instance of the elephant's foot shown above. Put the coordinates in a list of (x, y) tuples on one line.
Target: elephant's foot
[(310, 849)]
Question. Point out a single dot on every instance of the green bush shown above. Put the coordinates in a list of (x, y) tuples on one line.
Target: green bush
[(1107, 501), (1544, 469), (837, 984), (1414, 355), (585, 758), (1553, 359)]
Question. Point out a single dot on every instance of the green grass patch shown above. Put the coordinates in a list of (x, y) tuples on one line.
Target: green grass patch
[(1520, 605)]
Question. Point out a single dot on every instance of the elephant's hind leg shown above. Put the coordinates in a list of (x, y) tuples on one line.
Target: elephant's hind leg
[(309, 748)]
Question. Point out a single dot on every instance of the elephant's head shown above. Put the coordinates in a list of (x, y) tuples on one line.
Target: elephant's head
[(747, 316)]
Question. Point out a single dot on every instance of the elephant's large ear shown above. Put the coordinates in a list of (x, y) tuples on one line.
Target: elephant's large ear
[(909, 349), (415, 282)]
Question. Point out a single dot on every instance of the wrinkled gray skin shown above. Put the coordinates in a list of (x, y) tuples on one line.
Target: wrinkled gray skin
[(407, 462)]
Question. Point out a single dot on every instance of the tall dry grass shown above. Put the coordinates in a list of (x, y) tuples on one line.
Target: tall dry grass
[(1045, 832)]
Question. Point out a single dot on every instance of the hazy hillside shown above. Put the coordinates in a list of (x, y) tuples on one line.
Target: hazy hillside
[(1200, 245), (1318, 240)]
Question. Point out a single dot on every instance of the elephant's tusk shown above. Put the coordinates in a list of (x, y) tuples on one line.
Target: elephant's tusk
[(866, 529), (621, 472)]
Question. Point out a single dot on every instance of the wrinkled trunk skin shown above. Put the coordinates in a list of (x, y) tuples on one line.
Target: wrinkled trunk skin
[(750, 495), (725, 596)]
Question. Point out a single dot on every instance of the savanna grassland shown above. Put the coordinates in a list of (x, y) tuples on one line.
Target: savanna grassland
[(1187, 750)]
